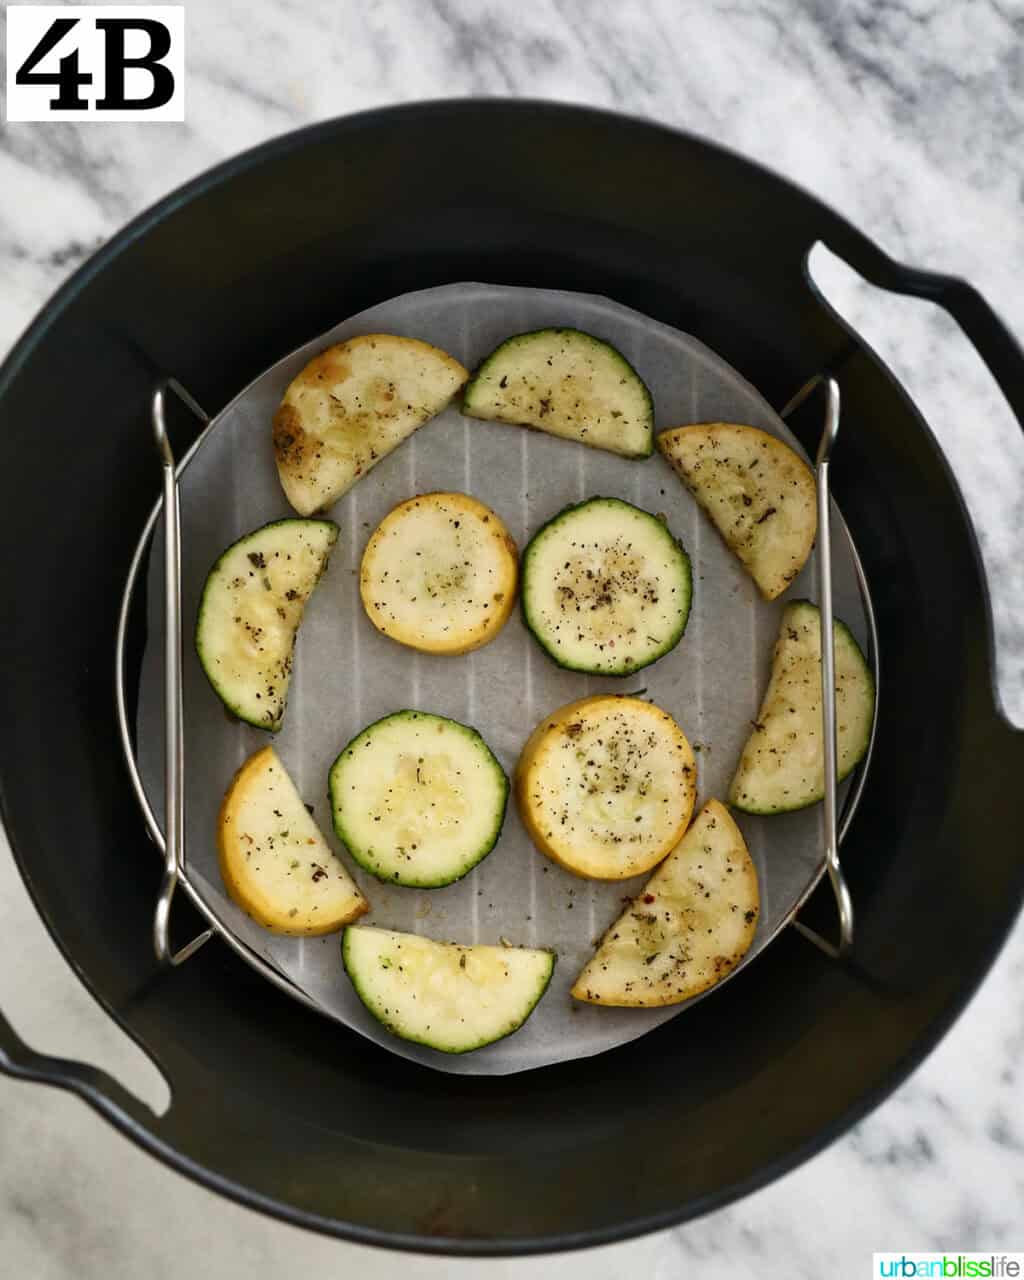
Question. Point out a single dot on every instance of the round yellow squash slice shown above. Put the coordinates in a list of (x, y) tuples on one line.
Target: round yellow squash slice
[(439, 574), (606, 786)]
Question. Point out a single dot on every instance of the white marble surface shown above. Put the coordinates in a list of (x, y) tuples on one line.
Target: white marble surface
[(905, 114)]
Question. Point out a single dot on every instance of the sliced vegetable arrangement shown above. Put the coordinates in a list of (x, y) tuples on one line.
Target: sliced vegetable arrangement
[(567, 383), (759, 495), (606, 786), (274, 859), (606, 588), (418, 799), (689, 926), (350, 407), (783, 763), (250, 611), (451, 997), (439, 574)]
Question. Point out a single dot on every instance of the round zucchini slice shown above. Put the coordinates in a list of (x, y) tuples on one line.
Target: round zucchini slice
[(606, 588), (439, 574), (606, 786), (418, 799), (250, 611), (451, 997), (274, 859)]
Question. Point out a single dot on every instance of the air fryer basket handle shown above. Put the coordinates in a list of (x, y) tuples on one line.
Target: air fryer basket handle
[(99, 1090), (983, 328), (989, 335)]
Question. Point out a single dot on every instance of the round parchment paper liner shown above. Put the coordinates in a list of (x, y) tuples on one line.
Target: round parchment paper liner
[(346, 674)]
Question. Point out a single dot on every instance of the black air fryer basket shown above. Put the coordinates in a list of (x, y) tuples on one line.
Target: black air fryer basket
[(272, 1104)]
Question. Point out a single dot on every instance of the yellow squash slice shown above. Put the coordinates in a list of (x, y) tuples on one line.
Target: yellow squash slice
[(274, 859), (606, 786), (687, 930), (351, 406), (758, 494), (439, 574)]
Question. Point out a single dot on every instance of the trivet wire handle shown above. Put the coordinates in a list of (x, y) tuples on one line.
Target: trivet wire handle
[(174, 729), (844, 903)]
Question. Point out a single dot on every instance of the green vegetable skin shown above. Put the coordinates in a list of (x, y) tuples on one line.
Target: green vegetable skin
[(567, 383), (781, 768), (449, 997), (605, 588), (418, 799), (250, 611)]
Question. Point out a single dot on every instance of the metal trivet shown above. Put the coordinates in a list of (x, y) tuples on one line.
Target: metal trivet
[(173, 844)]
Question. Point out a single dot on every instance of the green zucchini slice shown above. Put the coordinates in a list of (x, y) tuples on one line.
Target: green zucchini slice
[(567, 383), (450, 997), (606, 588), (418, 799), (782, 766), (250, 611)]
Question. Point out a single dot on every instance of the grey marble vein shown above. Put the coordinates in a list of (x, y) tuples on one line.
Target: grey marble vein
[(906, 115)]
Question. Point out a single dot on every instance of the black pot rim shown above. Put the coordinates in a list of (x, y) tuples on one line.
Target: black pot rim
[(149, 1140)]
